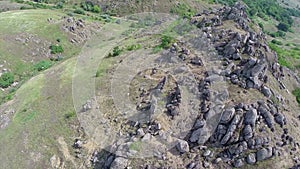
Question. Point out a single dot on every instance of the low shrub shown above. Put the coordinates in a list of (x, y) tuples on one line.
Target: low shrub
[(56, 49), (6, 79), (42, 65)]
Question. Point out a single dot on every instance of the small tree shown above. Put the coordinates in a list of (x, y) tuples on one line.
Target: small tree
[(117, 51), (283, 26)]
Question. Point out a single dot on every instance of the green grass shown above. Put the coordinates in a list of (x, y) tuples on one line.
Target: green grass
[(296, 93), (42, 65), (287, 57), (39, 120), (183, 10), (136, 146), (31, 22), (105, 64)]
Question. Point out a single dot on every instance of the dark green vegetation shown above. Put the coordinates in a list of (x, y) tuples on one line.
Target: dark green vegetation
[(296, 93), (42, 65), (166, 42), (56, 49), (116, 52), (90, 6), (6, 79)]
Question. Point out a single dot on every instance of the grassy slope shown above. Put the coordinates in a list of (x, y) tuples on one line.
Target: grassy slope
[(31, 137), (16, 56)]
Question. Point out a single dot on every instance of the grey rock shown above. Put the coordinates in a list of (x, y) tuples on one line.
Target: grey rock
[(247, 132), (199, 123), (147, 137), (266, 91), (237, 56), (252, 61), (183, 146), (234, 79), (200, 135), (87, 106), (266, 115), (222, 129), (280, 119), (227, 115), (251, 117), (251, 158), (109, 161), (263, 154), (205, 164), (238, 163), (140, 132), (119, 163), (207, 153)]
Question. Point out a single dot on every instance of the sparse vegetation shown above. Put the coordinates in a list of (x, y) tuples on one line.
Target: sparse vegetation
[(70, 115), (183, 10)]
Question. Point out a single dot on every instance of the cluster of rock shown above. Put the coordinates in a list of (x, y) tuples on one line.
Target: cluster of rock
[(244, 55), (79, 29), (40, 47)]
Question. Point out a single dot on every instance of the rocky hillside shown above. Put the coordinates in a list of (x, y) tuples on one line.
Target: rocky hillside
[(203, 89), (250, 121)]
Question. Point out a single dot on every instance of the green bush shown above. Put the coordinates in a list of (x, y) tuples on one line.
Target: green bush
[(296, 93), (277, 42), (116, 51), (96, 9), (79, 11), (133, 47), (166, 41), (6, 79), (42, 65), (283, 27), (90, 6), (56, 49)]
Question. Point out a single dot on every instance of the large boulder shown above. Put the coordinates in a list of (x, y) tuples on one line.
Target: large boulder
[(263, 154), (250, 117), (227, 115)]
